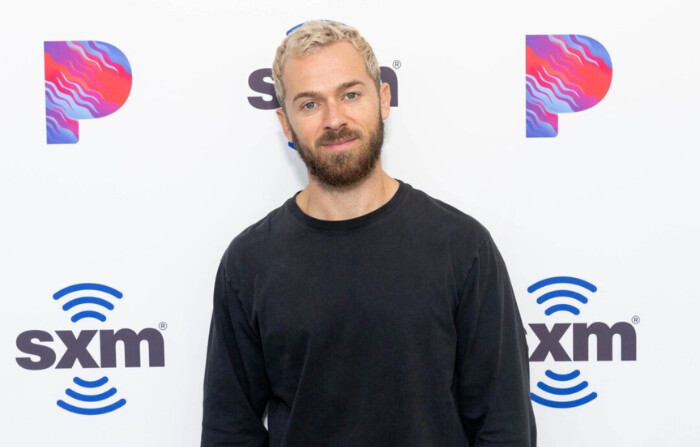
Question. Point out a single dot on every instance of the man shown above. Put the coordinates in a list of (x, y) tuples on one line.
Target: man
[(362, 312)]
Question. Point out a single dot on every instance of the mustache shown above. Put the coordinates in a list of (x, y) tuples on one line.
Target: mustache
[(332, 136)]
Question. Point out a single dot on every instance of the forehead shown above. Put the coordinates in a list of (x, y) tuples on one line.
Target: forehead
[(324, 69)]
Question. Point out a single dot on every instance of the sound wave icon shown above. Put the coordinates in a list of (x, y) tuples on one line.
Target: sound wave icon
[(91, 398), (89, 300), (562, 293), (567, 391)]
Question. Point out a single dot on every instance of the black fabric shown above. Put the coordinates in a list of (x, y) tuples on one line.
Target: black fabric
[(398, 328)]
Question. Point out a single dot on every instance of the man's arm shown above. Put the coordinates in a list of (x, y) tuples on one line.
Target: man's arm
[(236, 389), (492, 359)]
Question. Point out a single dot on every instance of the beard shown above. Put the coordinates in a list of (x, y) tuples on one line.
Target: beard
[(344, 169)]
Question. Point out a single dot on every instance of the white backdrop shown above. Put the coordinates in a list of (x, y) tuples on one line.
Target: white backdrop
[(150, 196)]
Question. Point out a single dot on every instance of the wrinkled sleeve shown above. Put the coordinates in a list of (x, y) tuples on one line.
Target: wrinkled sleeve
[(493, 388), (236, 389)]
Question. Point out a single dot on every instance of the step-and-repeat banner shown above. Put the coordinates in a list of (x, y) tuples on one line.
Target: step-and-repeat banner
[(139, 137)]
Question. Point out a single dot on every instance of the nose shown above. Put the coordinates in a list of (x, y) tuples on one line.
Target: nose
[(334, 117)]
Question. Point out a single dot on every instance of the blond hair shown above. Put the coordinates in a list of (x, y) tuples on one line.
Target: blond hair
[(316, 34)]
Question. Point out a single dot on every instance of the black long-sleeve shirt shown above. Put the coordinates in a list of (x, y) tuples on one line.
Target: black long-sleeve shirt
[(398, 328)]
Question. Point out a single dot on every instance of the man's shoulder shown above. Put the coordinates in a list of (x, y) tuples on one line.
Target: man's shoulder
[(443, 216), (277, 224)]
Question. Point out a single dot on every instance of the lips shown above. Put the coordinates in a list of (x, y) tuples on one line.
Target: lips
[(337, 141), (338, 145)]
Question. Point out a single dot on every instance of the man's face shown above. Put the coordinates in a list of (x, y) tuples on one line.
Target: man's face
[(334, 113)]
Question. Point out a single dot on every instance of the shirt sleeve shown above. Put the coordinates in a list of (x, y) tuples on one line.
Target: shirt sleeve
[(493, 388), (236, 389)]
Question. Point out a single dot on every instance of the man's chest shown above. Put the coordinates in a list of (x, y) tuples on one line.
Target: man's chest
[(360, 301)]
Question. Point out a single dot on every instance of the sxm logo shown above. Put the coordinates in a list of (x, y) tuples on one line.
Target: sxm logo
[(89, 301), (83, 80), (563, 386), (260, 81), (564, 73)]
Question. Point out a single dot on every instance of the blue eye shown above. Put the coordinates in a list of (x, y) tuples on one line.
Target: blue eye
[(351, 95), (309, 105)]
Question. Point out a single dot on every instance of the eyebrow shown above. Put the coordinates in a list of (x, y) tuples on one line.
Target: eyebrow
[(316, 94)]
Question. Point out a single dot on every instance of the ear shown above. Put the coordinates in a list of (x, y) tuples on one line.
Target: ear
[(284, 122), (384, 100)]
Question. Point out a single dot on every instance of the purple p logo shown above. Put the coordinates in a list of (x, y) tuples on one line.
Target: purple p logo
[(84, 80), (564, 73)]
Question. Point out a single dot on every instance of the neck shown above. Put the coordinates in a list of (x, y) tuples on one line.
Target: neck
[(330, 203)]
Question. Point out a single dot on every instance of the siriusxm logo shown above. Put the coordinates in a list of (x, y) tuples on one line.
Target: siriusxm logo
[(260, 81), (564, 295), (89, 398), (80, 300), (89, 301), (565, 392)]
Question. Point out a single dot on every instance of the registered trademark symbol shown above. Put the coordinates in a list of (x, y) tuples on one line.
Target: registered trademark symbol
[(396, 64), (162, 325), (635, 320)]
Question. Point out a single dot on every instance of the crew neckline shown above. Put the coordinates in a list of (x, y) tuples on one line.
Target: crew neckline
[(339, 225)]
